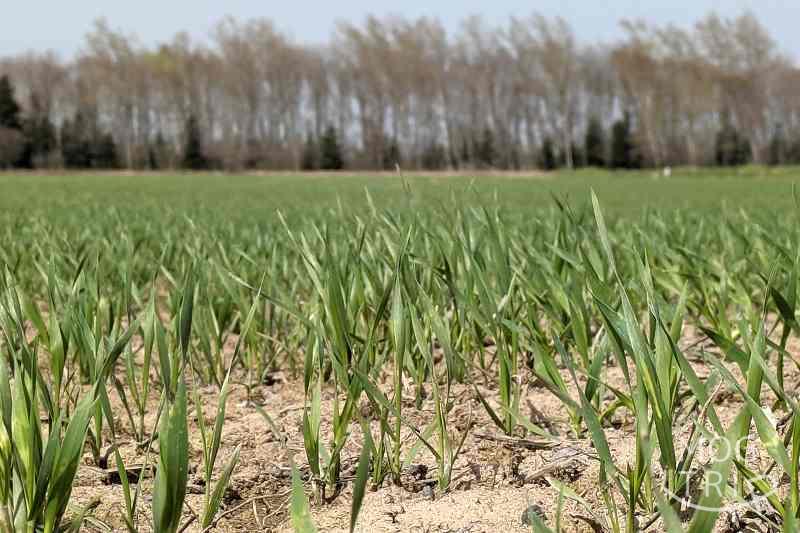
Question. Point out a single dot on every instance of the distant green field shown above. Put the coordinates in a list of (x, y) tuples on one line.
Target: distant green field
[(258, 196)]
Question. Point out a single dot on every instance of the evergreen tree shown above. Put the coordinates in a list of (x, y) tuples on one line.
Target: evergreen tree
[(725, 146), (75, 142), (255, 155), (25, 159), (547, 155), (595, 144), (84, 145), (745, 151), (434, 157), (9, 108), (17, 153), (514, 159), (152, 158), (622, 148), (330, 151), (452, 157), (777, 146), (793, 151), (104, 152), (193, 156), (486, 151), (163, 152), (465, 152), (40, 134), (578, 156), (12, 146), (310, 153), (732, 148), (391, 154)]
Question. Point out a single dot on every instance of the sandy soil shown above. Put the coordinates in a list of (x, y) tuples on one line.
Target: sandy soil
[(496, 478)]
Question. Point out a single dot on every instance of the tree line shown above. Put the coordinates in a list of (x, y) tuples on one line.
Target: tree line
[(395, 91)]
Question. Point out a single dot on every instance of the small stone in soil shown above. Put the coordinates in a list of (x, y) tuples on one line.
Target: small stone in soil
[(418, 471), (532, 510)]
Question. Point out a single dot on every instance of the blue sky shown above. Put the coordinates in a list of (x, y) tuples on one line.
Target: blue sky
[(61, 24)]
